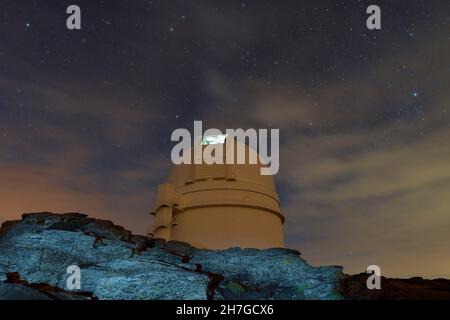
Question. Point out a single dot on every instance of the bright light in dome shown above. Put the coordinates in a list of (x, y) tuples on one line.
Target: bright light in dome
[(214, 139)]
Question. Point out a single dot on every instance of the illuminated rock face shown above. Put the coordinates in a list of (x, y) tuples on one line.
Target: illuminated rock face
[(219, 206)]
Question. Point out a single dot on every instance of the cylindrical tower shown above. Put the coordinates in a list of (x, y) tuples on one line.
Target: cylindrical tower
[(217, 206)]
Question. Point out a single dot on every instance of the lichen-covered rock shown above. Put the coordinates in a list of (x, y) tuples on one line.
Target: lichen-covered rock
[(116, 264)]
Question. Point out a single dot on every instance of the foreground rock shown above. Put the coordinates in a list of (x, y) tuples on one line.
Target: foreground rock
[(115, 264)]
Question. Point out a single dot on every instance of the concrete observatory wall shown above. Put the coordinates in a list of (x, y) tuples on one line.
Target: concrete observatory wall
[(219, 206)]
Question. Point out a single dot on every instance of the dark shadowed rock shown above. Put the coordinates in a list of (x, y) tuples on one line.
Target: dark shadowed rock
[(15, 288), (354, 287), (19, 292)]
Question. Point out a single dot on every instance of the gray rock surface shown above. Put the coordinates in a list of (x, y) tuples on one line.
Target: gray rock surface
[(116, 264)]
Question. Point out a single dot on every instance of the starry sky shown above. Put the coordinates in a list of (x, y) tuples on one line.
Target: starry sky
[(364, 115)]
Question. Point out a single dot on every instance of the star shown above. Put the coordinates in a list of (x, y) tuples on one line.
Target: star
[(28, 24), (415, 94)]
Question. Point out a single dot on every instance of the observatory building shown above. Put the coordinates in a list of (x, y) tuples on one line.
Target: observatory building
[(217, 206)]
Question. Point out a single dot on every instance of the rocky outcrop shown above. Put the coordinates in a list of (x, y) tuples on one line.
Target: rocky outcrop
[(115, 264)]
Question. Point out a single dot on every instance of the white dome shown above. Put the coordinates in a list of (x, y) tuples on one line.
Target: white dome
[(219, 206)]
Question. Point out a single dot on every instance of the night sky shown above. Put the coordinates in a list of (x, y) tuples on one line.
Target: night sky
[(364, 115)]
